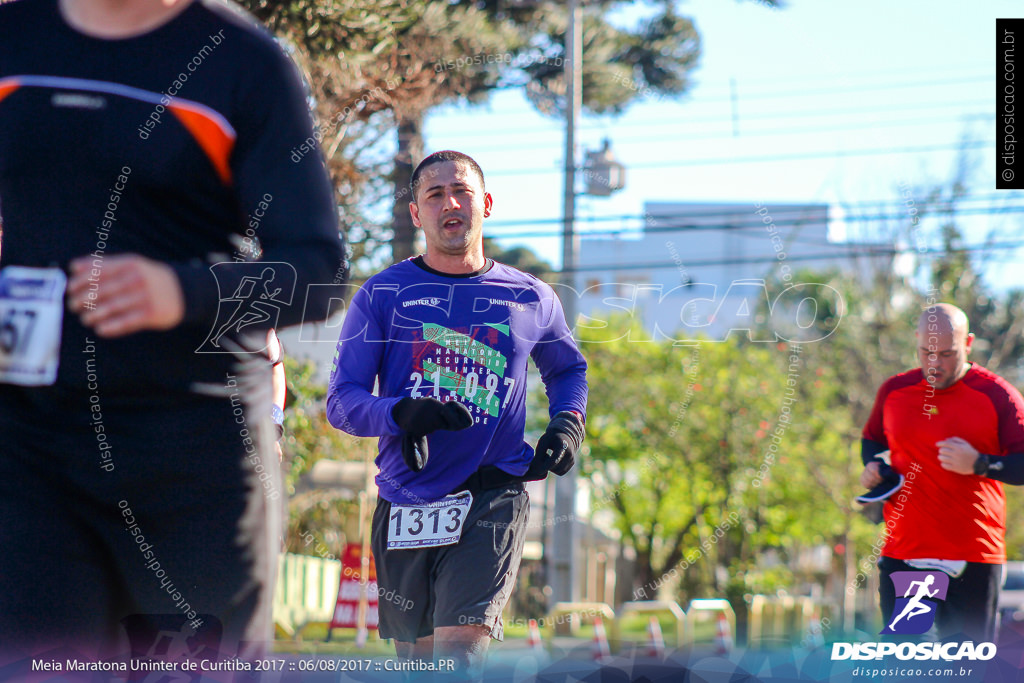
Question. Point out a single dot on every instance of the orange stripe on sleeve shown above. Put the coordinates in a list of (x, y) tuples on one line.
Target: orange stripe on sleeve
[(7, 86), (211, 137)]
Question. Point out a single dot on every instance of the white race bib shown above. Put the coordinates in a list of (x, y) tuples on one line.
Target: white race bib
[(31, 312), (433, 524)]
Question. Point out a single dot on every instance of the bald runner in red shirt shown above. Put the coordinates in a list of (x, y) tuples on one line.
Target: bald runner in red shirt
[(955, 431)]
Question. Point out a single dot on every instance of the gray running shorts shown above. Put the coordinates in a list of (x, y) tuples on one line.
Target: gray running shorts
[(467, 583)]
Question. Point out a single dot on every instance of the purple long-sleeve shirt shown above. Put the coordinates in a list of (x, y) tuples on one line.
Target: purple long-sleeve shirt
[(417, 332)]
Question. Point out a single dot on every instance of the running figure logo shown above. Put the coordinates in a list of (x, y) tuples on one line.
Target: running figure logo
[(914, 612), (258, 290)]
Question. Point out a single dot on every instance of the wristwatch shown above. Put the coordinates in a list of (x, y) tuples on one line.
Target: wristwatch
[(984, 464)]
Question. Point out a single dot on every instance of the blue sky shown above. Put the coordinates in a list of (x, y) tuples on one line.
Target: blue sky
[(822, 87)]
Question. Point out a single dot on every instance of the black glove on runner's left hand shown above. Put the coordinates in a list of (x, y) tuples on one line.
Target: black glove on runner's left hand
[(556, 449)]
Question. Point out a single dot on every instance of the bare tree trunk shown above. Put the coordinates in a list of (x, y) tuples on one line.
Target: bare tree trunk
[(644, 575), (410, 153)]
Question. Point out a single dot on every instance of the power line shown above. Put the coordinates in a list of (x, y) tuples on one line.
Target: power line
[(724, 134), (754, 222), (977, 69), (804, 92), (710, 161), (594, 125), (731, 210), (853, 250), (853, 111)]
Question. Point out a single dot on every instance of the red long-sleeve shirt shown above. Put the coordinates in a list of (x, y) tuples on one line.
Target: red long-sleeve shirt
[(938, 513)]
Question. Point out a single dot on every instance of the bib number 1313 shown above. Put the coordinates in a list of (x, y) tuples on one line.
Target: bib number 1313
[(433, 524)]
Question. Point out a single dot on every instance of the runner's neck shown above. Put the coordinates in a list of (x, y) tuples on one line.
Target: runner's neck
[(456, 265), (119, 19), (422, 262)]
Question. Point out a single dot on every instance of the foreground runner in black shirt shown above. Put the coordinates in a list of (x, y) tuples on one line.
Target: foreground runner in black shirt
[(141, 143)]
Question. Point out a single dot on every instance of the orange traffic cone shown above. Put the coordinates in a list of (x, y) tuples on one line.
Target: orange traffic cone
[(723, 636), (533, 637), (655, 641), (601, 649)]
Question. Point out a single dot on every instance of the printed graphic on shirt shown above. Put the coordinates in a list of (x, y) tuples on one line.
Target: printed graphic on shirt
[(450, 364)]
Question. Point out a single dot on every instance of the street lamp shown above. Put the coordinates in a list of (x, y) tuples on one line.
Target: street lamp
[(603, 172)]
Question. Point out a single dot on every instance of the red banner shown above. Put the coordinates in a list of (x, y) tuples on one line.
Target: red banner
[(346, 610)]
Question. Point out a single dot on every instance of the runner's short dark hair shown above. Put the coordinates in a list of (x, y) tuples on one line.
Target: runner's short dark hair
[(439, 157)]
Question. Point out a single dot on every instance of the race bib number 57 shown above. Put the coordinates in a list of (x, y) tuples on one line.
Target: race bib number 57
[(31, 312), (433, 524)]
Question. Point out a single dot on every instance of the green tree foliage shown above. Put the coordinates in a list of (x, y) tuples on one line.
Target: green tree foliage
[(403, 58), (347, 103), (865, 329), (870, 336), (957, 277), (713, 457), (374, 68)]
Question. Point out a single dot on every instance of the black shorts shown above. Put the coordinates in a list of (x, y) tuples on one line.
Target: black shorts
[(467, 583), (174, 527), (969, 610)]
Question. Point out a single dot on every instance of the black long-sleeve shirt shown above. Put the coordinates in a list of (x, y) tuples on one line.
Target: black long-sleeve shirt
[(175, 145)]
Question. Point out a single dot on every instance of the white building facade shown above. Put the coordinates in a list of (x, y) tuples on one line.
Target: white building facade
[(711, 270)]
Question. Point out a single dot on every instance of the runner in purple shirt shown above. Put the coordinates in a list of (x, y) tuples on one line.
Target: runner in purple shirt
[(445, 337)]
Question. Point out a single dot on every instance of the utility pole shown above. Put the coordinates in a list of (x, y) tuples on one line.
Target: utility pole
[(563, 534)]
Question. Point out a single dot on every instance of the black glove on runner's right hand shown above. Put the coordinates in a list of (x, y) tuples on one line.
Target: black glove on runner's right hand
[(421, 416)]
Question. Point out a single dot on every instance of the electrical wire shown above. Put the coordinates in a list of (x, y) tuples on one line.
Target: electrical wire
[(711, 161), (850, 250)]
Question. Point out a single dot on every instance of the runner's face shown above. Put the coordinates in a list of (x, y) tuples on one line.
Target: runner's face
[(942, 355), (450, 206)]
